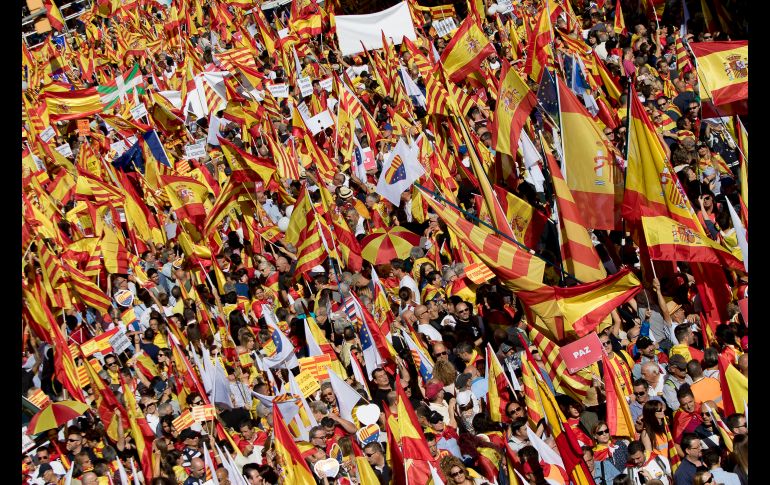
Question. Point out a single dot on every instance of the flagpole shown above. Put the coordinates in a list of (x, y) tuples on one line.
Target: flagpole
[(476, 219)]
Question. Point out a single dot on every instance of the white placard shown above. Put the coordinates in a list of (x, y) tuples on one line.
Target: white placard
[(47, 134), (195, 150), (305, 86), (120, 342), (320, 122), (283, 33), (504, 6), (119, 147), (353, 30), (65, 150), (304, 111), (139, 111), (445, 26), (327, 84), (131, 140), (279, 90), (258, 95)]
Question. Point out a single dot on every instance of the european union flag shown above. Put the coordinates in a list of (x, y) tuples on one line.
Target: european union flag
[(396, 172), (366, 339), (277, 341), (548, 97), (130, 158)]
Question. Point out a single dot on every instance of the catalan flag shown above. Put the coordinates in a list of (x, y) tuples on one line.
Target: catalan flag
[(467, 49), (575, 385), (304, 232), (618, 413), (723, 70), (140, 431)]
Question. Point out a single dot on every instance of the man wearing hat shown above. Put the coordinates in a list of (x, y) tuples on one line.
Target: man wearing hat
[(446, 436), (677, 375), (192, 444)]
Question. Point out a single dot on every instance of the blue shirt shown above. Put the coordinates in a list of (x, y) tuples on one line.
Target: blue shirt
[(685, 474), (610, 472), (725, 478)]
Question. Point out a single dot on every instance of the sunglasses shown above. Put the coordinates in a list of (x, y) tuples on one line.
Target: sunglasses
[(73, 440), (511, 412), (464, 310), (640, 394), (110, 364), (370, 454), (439, 354), (602, 432), (457, 473)]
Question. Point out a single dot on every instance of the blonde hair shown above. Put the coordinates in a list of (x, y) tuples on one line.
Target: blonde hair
[(445, 372)]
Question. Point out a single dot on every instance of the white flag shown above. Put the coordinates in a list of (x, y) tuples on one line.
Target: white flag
[(399, 171), (347, 397)]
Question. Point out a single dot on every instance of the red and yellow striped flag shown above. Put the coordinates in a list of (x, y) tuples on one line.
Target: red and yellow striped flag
[(467, 49), (539, 50), (619, 24), (578, 252), (54, 15), (723, 70), (575, 385), (498, 397), (140, 431), (618, 413), (294, 467)]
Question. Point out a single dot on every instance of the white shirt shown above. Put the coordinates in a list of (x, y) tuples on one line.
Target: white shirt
[(431, 332), (409, 282), (657, 390), (654, 469)]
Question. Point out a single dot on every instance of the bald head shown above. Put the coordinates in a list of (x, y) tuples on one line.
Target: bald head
[(422, 314), (89, 478), (743, 364), (440, 352), (197, 468)]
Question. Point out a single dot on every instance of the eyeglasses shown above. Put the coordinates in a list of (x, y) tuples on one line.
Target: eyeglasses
[(602, 432), (606, 343), (457, 473), (464, 310), (42, 457), (370, 454), (319, 437), (110, 364), (74, 440), (198, 402), (706, 37)]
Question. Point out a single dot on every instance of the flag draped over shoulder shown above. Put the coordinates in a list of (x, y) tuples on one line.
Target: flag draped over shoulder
[(467, 49), (723, 70)]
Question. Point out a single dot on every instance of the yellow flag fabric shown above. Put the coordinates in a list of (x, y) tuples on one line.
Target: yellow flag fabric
[(723, 70)]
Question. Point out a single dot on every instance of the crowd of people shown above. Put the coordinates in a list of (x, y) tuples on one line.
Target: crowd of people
[(263, 313)]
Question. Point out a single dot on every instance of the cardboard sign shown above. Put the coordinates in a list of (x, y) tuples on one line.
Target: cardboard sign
[(304, 111), (316, 366), (120, 342), (138, 112), (47, 134), (279, 90), (207, 412), (744, 306), (582, 353), (184, 421), (478, 273), (65, 150), (308, 384), (195, 150), (505, 6), (84, 127), (305, 86)]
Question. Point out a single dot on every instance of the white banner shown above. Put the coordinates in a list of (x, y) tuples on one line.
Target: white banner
[(354, 29)]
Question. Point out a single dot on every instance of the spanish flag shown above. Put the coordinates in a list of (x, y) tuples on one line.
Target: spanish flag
[(140, 431), (465, 52), (723, 70), (107, 405), (578, 252), (539, 49), (54, 15), (670, 240), (618, 413), (414, 448), (514, 103), (735, 387), (619, 25), (651, 183), (498, 385), (295, 468), (72, 105), (592, 170), (187, 197)]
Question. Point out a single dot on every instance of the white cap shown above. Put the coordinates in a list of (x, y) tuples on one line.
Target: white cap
[(464, 397)]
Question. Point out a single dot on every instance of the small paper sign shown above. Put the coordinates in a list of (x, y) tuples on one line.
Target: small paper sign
[(279, 90), (207, 412), (305, 86), (195, 150), (65, 150), (478, 273), (184, 421), (316, 366), (119, 147), (320, 122), (582, 353), (308, 384), (84, 127), (327, 84), (138, 112), (120, 342), (304, 111), (47, 134), (444, 27)]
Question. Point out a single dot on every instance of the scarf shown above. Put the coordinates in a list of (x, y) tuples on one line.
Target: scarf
[(603, 452)]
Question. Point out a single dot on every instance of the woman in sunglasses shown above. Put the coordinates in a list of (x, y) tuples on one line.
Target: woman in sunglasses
[(610, 456), (457, 474)]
